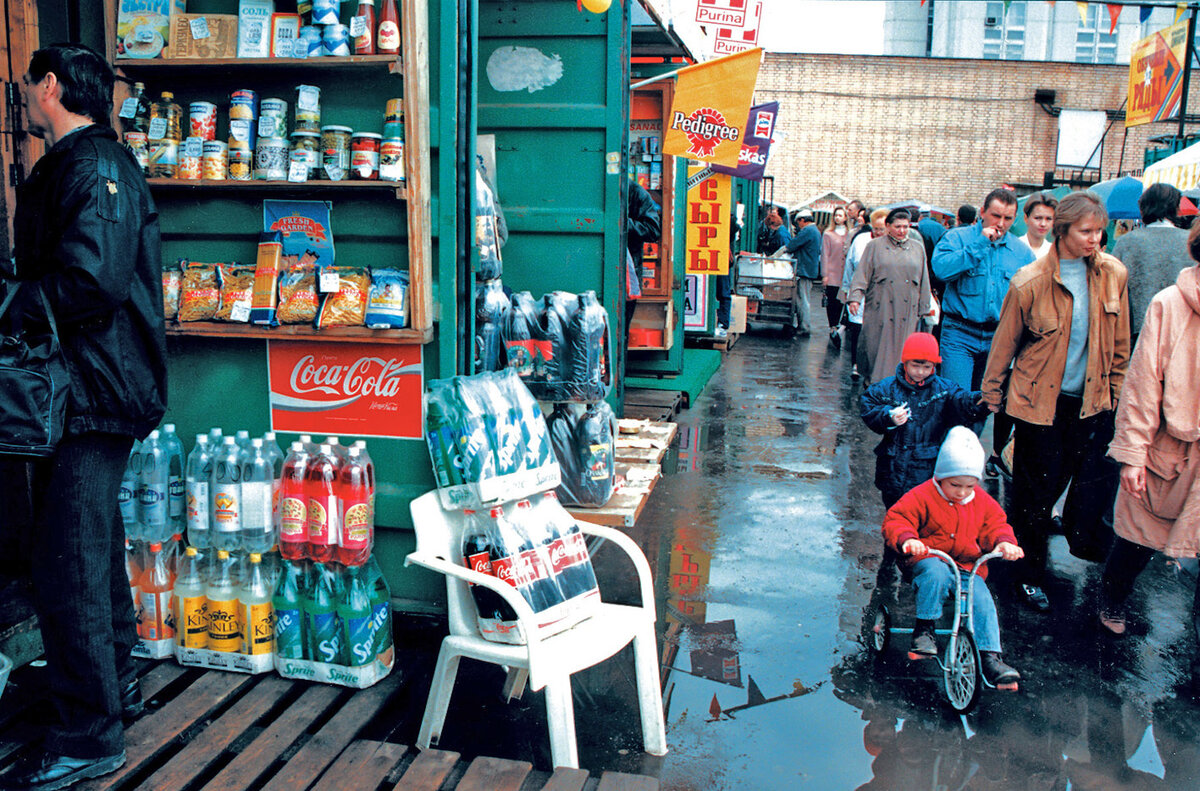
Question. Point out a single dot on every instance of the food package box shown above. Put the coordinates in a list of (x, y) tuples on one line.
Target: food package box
[(221, 41), (285, 32), (254, 28), (304, 226), (737, 314), (143, 27)]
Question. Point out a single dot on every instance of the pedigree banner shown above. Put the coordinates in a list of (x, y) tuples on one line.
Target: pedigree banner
[(756, 143), (710, 109), (1156, 76), (708, 214), (354, 389)]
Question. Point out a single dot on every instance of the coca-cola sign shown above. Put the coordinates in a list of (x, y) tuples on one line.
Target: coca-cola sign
[(359, 390)]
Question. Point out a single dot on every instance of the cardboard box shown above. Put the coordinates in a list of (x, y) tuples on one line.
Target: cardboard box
[(222, 38), (254, 28), (143, 27), (285, 32), (737, 314)]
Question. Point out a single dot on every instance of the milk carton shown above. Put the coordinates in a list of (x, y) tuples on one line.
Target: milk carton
[(254, 28)]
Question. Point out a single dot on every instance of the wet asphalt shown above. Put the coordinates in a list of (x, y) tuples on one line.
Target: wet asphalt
[(764, 540)]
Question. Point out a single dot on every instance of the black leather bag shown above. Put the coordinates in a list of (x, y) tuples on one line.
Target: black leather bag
[(33, 385)]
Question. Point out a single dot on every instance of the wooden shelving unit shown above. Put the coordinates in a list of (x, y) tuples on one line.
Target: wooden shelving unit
[(399, 188), (217, 329), (132, 65)]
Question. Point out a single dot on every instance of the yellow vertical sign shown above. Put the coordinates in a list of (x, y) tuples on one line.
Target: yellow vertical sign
[(708, 207)]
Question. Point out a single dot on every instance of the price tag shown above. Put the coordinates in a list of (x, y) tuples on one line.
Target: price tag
[(298, 171), (128, 108), (158, 129), (267, 126), (193, 147), (308, 98), (330, 282), (284, 48), (240, 312), (358, 26), (199, 27), (335, 173), (239, 130)]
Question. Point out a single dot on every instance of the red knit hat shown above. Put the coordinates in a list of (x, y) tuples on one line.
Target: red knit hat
[(920, 346)]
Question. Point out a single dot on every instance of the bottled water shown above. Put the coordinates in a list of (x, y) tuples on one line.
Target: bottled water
[(225, 488), (197, 473), (175, 483), (258, 481), (152, 490)]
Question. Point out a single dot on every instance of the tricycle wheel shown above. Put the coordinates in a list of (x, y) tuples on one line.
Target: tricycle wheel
[(877, 623), (961, 672)]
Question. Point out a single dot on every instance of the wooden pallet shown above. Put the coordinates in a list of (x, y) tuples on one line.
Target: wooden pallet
[(644, 441), (627, 503), (654, 405), (713, 342), (209, 730)]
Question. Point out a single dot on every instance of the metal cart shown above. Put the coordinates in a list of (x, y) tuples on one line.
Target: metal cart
[(769, 286)]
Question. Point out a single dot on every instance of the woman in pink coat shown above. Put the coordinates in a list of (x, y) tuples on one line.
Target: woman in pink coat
[(1157, 442)]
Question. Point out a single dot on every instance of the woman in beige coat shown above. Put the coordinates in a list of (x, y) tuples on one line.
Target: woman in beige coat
[(1157, 442)]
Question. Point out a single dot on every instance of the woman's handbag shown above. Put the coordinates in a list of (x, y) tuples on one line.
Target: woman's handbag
[(33, 385)]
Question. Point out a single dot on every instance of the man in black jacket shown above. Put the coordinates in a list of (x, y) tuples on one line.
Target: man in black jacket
[(86, 233), (644, 225)]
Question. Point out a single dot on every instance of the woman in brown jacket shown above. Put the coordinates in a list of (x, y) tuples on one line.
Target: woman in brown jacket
[(1064, 328), (1157, 443)]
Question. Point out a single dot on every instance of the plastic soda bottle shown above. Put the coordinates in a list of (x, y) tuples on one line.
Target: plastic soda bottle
[(370, 465), (175, 482), (443, 435), (339, 449), (477, 556), (293, 504), (152, 490), (321, 618), (381, 610), (289, 611), (309, 445), (243, 439), (225, 487), (354, 495), (323, 512), (215, 436), (258, 479), (127, 495), (535, 557), (255, 610), (158, 622), (355, 615), (197, 473), (191, 602), (224, 629), (133, 570), (276, 455)]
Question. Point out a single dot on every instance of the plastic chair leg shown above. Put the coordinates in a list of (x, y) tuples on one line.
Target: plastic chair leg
[(645, 659), (560, 715), (514, 683), (440, 689)]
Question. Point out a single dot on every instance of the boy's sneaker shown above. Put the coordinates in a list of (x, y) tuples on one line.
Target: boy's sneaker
[(997, 673), (923, 644), (1034, 598)]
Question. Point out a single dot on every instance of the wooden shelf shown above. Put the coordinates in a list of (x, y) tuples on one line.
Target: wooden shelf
[(400, 188), (287, 332), (390, 62)]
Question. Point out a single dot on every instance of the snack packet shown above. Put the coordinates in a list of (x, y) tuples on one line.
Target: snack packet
[(237, 292), (298, 300), (346, 307), (200, 291), (172, 282), (387, 303)]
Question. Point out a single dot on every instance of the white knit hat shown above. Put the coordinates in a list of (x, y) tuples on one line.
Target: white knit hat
[(961, 454)]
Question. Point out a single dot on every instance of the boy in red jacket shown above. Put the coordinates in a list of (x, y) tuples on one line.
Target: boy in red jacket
[(951, 512)]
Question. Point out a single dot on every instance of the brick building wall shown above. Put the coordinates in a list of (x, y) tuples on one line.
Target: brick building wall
[(945, 131)]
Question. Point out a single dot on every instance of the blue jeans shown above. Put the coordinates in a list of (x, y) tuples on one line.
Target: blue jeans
[(965, 350), (933, 581)]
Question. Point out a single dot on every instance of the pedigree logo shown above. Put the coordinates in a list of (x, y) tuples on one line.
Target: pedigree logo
[(705, 128)]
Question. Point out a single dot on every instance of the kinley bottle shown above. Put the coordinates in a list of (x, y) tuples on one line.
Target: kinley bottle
[(254, 610), (191, 602), (224, 630)]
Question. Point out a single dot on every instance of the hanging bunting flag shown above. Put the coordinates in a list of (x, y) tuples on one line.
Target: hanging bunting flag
[(1114, 13), (754, 695), (1081, 7), (714, 708), (1144, 13), (1007, 3), (756, 143), (711, 107), (1179, 9)]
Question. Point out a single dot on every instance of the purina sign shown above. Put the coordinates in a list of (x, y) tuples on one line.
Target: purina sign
[(725, 13), (733, 24)]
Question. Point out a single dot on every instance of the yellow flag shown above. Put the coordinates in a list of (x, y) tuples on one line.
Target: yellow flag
[(711, 107), (1081, 7), (1179, 9)]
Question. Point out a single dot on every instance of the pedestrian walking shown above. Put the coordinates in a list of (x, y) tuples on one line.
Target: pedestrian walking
[(858, 243), (1154, 254), (833, 263), (1039, 219), (805, 249)]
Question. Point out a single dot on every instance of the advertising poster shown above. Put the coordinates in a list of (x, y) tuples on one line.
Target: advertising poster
[(1156, 75), (708, 212)]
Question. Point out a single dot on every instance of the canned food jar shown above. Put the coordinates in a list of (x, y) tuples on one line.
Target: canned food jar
[(241, 165), (139, 145), (191, 167), (308, 108), (243, 105), (394, 111), (364, 156), (306, 148), (391, 159), (394, 129), (271, 159), (326, 12), (241, 135), (202, 119), (272, 118), (164, 158), (336, 41), (216, 160), (335, 151), (312, 46)]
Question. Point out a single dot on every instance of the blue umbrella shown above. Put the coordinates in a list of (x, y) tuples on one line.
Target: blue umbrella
[(1120, 197)]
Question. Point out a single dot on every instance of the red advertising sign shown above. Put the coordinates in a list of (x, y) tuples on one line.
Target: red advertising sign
[(733, 38), (352, 389), (730, 13)]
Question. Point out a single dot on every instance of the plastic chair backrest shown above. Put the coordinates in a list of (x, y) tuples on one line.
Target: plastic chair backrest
[(439, 533)]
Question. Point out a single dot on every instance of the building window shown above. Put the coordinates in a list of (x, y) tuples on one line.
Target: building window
[(1004, 33), (1093, 42)]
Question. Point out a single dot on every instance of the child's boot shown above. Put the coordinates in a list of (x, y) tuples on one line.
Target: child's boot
[(923, 643), (998, 674)]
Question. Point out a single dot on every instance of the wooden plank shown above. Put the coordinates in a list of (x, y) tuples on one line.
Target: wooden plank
[(494, 774), (146, 737), (428, 770), (256, 757), (159, 678), (647, 397), (327, 743), (622, 510), (565, 779), (619, 781), (216, 738), (363, 765), (632, 455), (414, 43)]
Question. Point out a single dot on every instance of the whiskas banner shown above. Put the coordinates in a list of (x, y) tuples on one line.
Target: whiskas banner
[(756, 144), (354, 389), (709, 109)]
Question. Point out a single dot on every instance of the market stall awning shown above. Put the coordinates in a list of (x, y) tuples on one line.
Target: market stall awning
[(1181, 169), (1120, 197)]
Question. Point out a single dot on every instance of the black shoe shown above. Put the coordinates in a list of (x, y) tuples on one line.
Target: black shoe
[(131, 701), (1034, 597), (854, 374), (923, 644), (49, 771), (996, 468), (835, 338), (995, 671)]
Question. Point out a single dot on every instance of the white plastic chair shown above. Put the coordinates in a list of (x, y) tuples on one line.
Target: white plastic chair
[(549, 660)]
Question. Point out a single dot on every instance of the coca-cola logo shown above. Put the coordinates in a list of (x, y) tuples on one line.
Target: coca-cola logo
[(345, 383)]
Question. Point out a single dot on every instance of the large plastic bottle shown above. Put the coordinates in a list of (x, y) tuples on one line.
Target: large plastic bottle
[(581, 574), (215, 437), (320, 615), (369, 463), (354, 497), (196, 476), (133, 570), (176, 497), (355, 615), (487, 240), (152, 490), (258, 482), (242, 437), (507, 563), (225, 488), (224, 628), (289, 611), (534, 555), (191, 602), (165, 128), (324, 526), (293, 504), (493, 611), (443, 433), (127, 496), (381, 610), (276, 455), (141, 115), (595, 448), (557, 307), (255, 609), (588, 339), (520, 331), (158, 622)]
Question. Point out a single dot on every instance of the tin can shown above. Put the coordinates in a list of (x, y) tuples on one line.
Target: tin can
[(391, 159), (272, 118), (309, 44), (306, 148), (394, 129), (139, 145), (243, 105), (216, 160), (240, 165), (394, 111), (326, 12), (335, 151), (308, 108), (202, 117), (271, 159), (364, 156), (336, 41), (191, 167), (164, 158)]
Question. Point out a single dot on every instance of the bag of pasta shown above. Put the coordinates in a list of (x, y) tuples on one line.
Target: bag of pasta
[(237, 292), (200, 292), (172, 283), (298, 298), (346, 307)]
